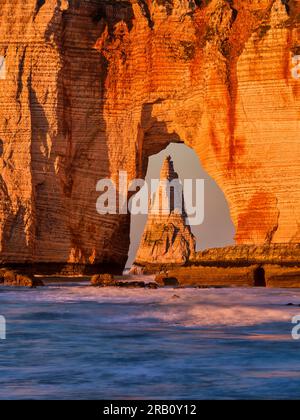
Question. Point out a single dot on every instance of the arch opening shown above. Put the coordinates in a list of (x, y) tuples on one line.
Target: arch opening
[(217, 229), (260, 277), (171, 282)]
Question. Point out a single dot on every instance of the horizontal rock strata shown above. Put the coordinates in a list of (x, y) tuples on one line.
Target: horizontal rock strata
[(107, 280), (281, 254), (283, 277), (271, 276), (93, 87), (215, 277)]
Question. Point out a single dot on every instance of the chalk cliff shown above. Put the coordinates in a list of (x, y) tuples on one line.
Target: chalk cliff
[(167, 238), (94, 86)]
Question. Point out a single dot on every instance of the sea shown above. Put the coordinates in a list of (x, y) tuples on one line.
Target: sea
[(73, 341)]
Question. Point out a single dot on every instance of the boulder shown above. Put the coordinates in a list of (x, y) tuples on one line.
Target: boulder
[(14, 279), (2, 272), (107, 280), (137, 284), (102, 280)]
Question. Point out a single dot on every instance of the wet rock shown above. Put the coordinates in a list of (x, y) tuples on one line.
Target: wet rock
[(14, 279), (137, 284), (103, 280), (2, 272), (131, 284), (152, 286), (107, 280)]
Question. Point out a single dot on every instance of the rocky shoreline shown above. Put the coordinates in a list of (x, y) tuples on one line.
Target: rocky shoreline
[(11, 278), (276, 265), (273, 266)]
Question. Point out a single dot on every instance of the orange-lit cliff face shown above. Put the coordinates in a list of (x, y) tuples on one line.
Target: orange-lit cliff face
[(97, 86)]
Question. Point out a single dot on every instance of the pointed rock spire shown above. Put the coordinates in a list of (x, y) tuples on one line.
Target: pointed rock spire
[(167, 238), (167, 171)]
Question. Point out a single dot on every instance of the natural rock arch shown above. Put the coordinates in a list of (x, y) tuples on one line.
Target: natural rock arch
[(198, 72), (217, 229)]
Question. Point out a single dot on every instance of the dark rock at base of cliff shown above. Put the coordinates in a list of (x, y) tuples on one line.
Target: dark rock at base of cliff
[(107, 280), (136, 284), (2, 272)]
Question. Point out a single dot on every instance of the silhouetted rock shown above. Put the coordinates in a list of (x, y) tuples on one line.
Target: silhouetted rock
[(131, 284), (107, 280)]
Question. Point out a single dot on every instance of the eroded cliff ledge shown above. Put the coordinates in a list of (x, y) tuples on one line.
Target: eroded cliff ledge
[(94, 86)]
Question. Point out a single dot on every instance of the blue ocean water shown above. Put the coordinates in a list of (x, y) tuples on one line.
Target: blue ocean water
[(77, 342)]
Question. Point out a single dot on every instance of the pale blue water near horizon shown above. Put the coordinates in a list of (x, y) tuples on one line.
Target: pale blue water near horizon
[(77, 342)]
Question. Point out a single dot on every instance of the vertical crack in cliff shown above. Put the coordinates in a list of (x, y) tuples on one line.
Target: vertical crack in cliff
[(146, 12), (229, 51), (232, 82), (20, 81), (272, 232), (112, 12), (287, 6), (240, 28), (38, 6)]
